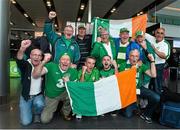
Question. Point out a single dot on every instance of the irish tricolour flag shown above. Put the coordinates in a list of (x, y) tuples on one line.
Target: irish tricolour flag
[(106, 95), (113, 26)]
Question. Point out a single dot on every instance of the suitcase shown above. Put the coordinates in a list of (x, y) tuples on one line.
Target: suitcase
[(170, 114)]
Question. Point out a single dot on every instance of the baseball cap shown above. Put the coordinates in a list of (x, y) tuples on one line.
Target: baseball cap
[(81, 26), (124, 30), (139, 33)]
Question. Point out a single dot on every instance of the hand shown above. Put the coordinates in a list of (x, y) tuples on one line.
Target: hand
[(113, 62), (52, 14), (65, 79), (84, 68), (150, 57), (47, 57), (98, 39), (73, 66), (25, 44), (143, 44), (139, 63)]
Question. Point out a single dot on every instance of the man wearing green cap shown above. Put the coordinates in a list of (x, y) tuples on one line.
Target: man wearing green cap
[(84, 41), (61, 44), (55, 91), (104, 47), (121, 45)]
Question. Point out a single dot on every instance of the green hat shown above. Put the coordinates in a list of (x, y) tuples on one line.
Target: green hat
[(66, 53), (139, 33), (81, 26), (124, 30)]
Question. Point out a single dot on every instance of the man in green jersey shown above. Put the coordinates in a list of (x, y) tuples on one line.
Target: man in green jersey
[(55, 91), (153, 98), (109, 67), (89, 73)]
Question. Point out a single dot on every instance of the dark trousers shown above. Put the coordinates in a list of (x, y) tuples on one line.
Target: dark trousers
[(153, 102)]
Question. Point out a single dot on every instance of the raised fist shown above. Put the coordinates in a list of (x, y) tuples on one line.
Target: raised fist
[(52, 14), (47, 57), (84, 68), (25, 44), (151, 57)]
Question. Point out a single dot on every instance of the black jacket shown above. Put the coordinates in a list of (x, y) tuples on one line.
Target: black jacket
[(26, 70)]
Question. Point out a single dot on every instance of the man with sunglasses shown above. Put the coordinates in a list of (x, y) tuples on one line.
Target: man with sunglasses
[(162, 52)]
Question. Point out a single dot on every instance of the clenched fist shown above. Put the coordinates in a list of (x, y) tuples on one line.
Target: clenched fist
[(52, 14), (25, 44), (84, 68), (151, 57), (47, 57)]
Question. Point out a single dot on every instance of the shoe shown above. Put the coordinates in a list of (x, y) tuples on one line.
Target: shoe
[(37, 119), (146, 119), (67, 118), (78, 117)]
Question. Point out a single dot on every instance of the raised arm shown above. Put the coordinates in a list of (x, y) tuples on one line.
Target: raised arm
[(49, 29), (152, 71), (40, 69), (24, 45)]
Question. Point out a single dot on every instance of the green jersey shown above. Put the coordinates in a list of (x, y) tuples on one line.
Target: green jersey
[(140, 70), (121, 56), (54, 84), (106, 73), (90, 77)]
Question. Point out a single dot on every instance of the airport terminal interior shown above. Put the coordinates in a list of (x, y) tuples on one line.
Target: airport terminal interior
[(26, 21)]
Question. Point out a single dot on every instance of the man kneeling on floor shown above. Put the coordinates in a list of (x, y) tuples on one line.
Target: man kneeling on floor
[(32, 89), (153, 98), (55, 91)]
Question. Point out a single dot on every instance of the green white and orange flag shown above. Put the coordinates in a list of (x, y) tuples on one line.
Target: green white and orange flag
[(113, 26), (103, 96)]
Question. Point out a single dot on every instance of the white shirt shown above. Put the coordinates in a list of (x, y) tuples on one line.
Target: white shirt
[(108, 49), (35, 87), (160, 46)]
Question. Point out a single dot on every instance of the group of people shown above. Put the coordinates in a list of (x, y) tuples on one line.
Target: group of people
[(44, 76)]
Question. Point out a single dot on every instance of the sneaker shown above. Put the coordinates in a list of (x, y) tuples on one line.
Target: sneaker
[(78, 117), (113, 114), (36, 119), (67, 118), (146, 119)]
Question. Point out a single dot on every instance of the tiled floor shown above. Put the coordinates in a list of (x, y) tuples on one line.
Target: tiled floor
[(9, 118)]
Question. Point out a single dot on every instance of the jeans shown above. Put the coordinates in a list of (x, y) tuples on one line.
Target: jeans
[(34, 105), (153, 101)]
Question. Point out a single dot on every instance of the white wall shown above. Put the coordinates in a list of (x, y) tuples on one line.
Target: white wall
[(171, 30)]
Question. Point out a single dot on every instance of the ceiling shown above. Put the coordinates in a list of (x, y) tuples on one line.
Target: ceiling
[(172, 9), (67, 10)]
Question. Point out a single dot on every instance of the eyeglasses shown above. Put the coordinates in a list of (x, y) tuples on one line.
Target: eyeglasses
[(35, 55), (160, 33)]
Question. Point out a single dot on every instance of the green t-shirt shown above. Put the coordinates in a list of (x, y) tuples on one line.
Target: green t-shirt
[(106, 73), (140, 70), (54, 84), (89, 77)]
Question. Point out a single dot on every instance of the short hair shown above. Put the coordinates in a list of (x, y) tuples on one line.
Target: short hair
[(161, 28), (107, 56), (134, 50), (69, 26), (90, 57)]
